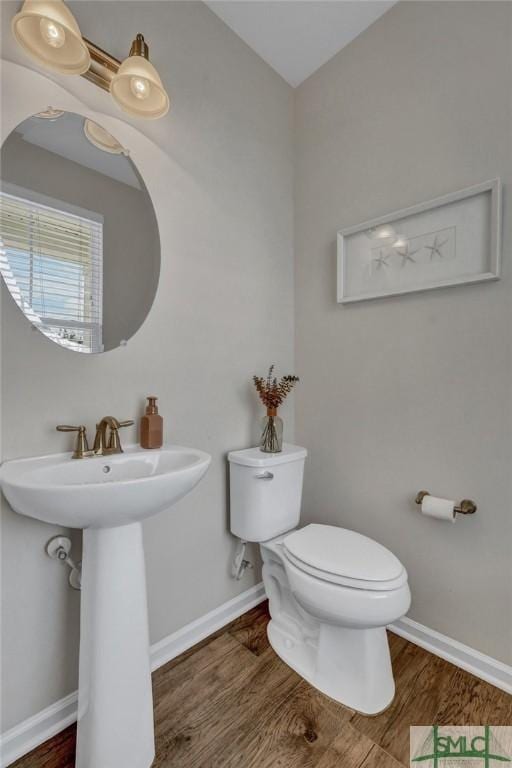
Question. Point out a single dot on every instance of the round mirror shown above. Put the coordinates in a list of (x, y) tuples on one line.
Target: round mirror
[(79, 244)]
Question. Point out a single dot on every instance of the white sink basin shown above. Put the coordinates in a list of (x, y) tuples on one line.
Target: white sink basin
[(103, 491), (109, 496)]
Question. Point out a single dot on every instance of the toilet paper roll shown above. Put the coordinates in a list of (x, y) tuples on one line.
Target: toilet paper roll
[(442, 509)]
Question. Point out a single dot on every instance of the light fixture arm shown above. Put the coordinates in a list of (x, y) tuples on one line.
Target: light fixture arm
[(103, 66)]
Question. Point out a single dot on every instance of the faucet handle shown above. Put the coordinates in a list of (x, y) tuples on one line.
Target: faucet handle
[(81, 446), (114, 443)]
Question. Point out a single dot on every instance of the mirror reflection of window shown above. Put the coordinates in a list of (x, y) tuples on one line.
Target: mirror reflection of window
[(81, 252), (52, 262)]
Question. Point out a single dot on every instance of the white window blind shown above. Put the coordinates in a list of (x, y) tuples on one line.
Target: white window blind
[(52, 263)]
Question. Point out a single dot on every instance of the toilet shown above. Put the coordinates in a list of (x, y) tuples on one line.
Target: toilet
[(331, 591)]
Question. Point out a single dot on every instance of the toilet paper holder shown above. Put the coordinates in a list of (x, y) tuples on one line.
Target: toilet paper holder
[(465, 507)]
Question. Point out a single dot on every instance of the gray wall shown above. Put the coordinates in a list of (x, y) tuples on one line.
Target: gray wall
[(226, 314), (131, 247), (414, 392)]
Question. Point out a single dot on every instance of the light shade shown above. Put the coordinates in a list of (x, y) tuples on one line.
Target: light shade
[(137, 88), (50, 114), (102, 139), (48, 31)]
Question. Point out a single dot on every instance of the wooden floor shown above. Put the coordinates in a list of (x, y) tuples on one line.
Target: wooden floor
[(229, 702)]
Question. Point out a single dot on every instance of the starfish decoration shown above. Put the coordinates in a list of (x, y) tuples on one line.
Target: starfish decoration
[(406, 254), (435, 248), (381, 260)]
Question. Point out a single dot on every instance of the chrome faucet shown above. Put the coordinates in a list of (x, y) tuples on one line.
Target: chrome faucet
[(102, 445)]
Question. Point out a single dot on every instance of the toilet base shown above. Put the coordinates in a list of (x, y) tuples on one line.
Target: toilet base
[(359, 677), (350, 665)]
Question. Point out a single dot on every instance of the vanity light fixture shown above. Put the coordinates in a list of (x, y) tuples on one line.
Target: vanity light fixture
[(49, 32)]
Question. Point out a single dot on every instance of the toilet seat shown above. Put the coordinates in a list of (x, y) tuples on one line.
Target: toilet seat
[(344, 557)]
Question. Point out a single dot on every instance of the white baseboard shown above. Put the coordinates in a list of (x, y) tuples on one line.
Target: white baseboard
[(197, 630), (37, 729), (485, 667), (32, 732)]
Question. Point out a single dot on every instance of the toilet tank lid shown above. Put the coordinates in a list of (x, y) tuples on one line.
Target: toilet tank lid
[(254, 457)]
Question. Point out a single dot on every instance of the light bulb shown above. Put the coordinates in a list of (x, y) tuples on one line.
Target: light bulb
[(53, 34), (140, 87)]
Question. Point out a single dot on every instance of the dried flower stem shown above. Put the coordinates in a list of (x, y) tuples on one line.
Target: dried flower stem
[(271, 391), (272, 394), (269, 439)]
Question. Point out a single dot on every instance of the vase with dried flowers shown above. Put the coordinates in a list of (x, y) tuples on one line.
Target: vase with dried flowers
[(272, 394)]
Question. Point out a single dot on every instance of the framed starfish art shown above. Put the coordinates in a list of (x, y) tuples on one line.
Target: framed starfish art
[(451, 240)]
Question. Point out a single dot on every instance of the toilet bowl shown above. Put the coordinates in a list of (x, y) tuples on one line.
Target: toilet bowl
[(331, 591), (360, 584)]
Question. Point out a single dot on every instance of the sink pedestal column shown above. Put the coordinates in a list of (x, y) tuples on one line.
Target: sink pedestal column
[(115, 702)]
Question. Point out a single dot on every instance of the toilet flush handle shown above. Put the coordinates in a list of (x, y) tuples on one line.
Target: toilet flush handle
[(265, 476)]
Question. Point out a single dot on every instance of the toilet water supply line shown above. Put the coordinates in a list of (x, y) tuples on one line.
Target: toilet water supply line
[(240, 564), (59, 548)]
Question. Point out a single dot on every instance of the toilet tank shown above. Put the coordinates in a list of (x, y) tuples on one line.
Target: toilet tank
[(265, 491)]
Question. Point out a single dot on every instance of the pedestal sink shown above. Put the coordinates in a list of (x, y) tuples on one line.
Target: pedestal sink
[(108, 496)]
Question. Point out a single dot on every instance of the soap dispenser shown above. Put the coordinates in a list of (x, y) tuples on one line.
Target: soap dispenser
[(151, 426)]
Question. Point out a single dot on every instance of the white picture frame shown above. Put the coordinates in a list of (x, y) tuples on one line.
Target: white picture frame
[(451, 240)]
